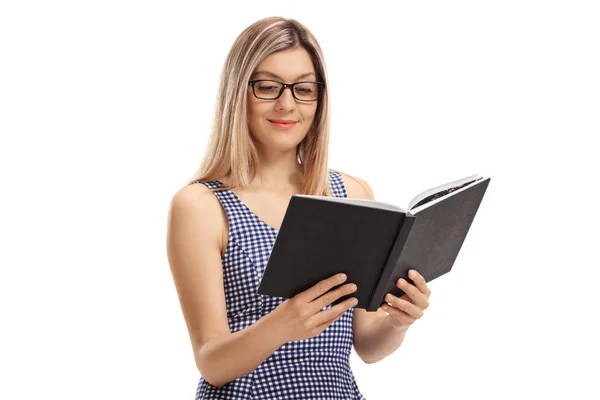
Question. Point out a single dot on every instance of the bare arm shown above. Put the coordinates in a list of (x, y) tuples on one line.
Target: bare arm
[(229, 357), (379, 340), (194, 246)]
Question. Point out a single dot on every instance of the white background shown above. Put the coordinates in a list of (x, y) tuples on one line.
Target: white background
[(105, 109)]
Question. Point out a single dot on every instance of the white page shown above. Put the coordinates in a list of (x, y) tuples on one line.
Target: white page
[(478, 180), (441, 188), (361, 202)]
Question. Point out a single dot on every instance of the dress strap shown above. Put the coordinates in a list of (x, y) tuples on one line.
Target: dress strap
[(246, 229), (336, 183), (243, 223)]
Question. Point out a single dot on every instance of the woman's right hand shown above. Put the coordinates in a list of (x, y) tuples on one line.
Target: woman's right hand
[(301, 317)]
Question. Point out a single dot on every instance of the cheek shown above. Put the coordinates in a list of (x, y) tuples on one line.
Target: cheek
[(254, 116), (309, 113), (257, 110), (251, 109)]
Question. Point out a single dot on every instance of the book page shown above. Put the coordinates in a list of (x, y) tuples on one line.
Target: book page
[(441, 190), (439, 196), (359, 202)]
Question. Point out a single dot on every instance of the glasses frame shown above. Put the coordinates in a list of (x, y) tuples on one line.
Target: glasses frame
[(287, 85)]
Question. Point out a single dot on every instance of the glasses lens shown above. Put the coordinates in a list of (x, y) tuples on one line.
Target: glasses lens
[(307, 91), (267, 89)]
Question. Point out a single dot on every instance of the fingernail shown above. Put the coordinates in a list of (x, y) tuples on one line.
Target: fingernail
[(341, 277), (412, 273)]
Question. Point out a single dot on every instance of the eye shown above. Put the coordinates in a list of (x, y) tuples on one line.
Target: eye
[(267, 88), (304, 90)]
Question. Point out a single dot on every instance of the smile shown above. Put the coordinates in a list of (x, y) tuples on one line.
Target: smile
[(283, 125)]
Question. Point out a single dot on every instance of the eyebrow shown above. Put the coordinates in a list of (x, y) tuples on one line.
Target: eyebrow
[(272, 75)]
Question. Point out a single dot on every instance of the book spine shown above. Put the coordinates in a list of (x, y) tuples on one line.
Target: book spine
[(378, 294)]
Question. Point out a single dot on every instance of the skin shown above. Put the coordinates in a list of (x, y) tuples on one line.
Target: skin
[(405, 310), (292, 66), (269, 200), (287, 66), (198, 233)]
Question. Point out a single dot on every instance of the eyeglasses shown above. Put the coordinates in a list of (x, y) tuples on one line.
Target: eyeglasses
[(266, 89)]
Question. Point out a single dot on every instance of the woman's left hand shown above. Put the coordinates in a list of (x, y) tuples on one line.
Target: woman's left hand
[(405, 310)]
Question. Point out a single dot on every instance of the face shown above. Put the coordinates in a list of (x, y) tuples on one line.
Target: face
[(287, 66)]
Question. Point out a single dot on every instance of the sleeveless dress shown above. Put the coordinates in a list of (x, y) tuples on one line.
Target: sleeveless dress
[(313, 368)]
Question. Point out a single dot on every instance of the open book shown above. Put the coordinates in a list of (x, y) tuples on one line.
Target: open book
[(372, 242)]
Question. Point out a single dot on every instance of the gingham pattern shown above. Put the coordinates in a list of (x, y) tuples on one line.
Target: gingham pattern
[(314, 368)]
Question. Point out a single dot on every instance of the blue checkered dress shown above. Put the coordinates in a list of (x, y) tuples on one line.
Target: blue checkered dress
[(314, 368)]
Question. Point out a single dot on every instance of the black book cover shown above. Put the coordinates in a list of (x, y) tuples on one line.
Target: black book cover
[(374, 247), (320, 238), (430, 243)]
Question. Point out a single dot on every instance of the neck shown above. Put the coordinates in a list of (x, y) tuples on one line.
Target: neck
[(277, 172)]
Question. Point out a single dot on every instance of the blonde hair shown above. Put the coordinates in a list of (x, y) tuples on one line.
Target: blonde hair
[(230, 150)]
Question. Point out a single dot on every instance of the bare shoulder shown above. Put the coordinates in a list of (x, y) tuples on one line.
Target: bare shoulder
[(196, 204), (194, 243), (357, 187), (193, 196)]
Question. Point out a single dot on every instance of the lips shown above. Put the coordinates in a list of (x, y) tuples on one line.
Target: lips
[(282, 123)]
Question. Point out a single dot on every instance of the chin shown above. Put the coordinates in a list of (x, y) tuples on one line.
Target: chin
[(282, 145), (280, 142), (291, 136)]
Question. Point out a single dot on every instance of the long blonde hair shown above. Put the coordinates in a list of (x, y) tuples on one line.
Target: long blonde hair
[(230, 150)]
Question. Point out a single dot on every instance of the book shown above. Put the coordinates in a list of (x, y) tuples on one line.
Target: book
[(373, 242)]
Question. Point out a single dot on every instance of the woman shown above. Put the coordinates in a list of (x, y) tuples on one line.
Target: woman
[(267, 144)]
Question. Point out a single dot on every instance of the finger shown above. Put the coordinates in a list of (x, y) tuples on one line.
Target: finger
[(323, 319), (415, 294), (322, 287), (419, 281), (333, 295), (404, 305), (328, 316), (398, 315)]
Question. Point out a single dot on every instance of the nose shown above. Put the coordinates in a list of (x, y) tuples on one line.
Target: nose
[(286, 100)]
